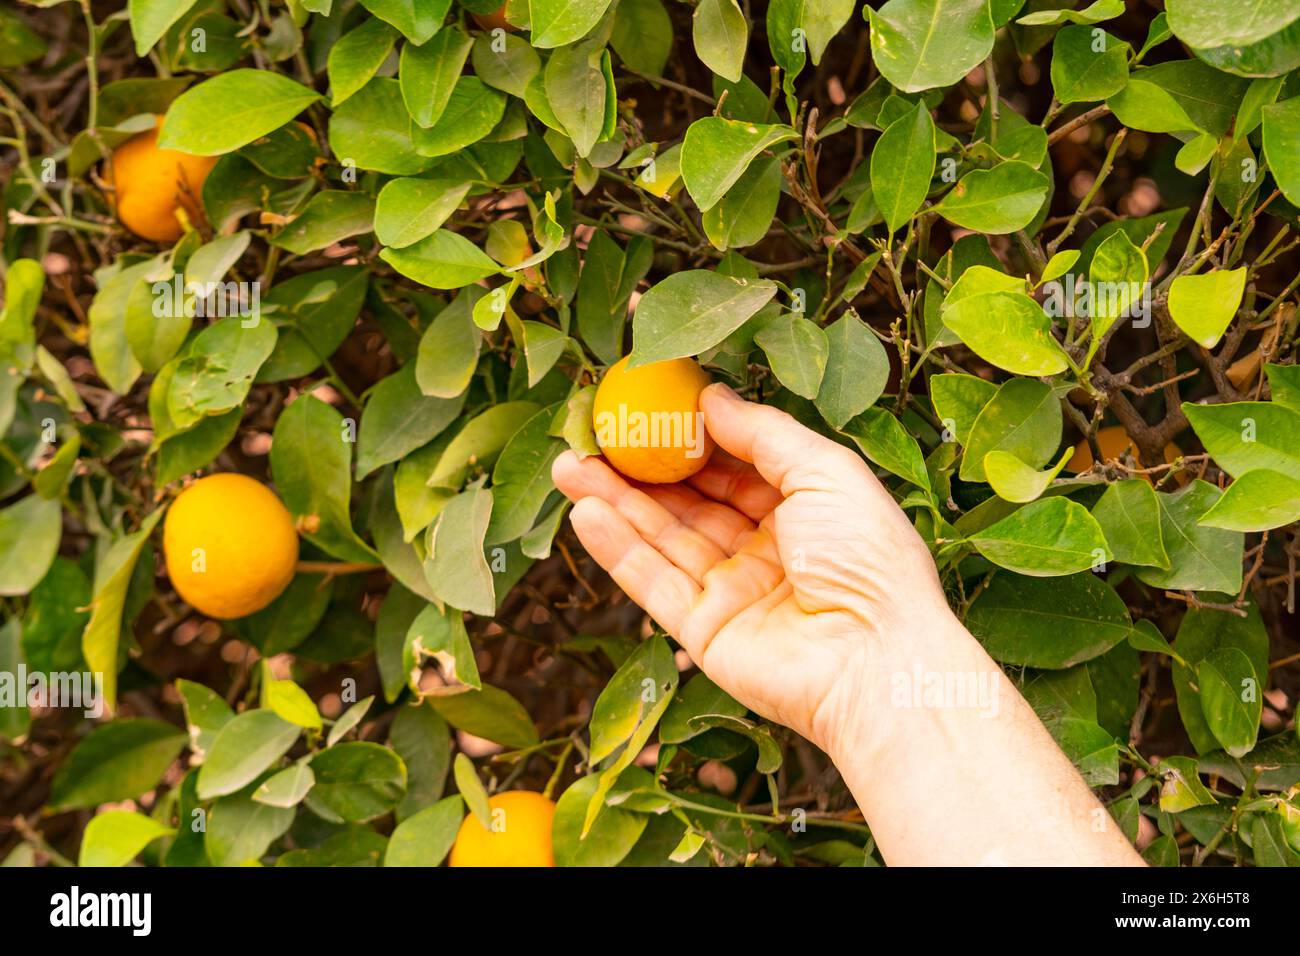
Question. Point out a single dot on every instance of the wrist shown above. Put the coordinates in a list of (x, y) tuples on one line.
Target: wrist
[(929, 671)]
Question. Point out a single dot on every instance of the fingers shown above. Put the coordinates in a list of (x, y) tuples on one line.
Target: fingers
[(723, 525), (728, 479), (789, 456), (664, 590), (683, 545), (742, 580)]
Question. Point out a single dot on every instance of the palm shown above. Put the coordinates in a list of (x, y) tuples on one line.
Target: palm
[(769, 590)]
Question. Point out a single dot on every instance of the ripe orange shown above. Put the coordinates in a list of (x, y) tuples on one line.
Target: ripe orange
[(1113, 442), (648, 421), (520, 833), (230, 545), (151, 184)]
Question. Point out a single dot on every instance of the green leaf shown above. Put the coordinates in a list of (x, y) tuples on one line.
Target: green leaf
[(958, 400), (1013, 480), (30, 531), (721, 35), (251, 103), (429, 75), (717, 151), (472, 112), (329, 216), (797, 350), (1050, 623), (1231, 699), (699, 697), (116, 761), (423, 740), (1257, 501), (1281, 132), (611, 837), (1205, 634), (150, 19), (509, 69), (1200, 559), (113, 574), (1118, 272), (1203, 305), (557, 22), (577, 90), (490, 713), (311, 458), (920, 44), (629, 697), (857, 370), (1095, 12), (408, 209), (996, 201), (399, 418), (244, 748), (441, 635), (356, 781), (291, 703), (521, 480), (417, 19), (357, 56), (372, 130), (1051, 537), (425, 838), (1022, 419), (287, 788), (241, 830), (1247, 436), (444, 260), (1129, 515), (902, 165), (1144, 105), (448, 351), (884, 440), (479, 442), (643, 35), (456, 569), (1206, 23), (350, 719), (1180, 788), (692, 311), (745, 213), (114, 837), (821, 21), (1008, 329), (316, 311), (218, 369)]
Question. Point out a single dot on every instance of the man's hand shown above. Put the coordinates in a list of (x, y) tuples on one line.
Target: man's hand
[(784, 568)]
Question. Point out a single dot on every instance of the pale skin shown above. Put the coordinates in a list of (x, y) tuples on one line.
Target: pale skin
[(792, 578)]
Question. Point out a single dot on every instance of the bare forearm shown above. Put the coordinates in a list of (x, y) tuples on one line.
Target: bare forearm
[(953, 767)]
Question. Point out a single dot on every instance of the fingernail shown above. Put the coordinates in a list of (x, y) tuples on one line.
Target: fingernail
[(723, 390)]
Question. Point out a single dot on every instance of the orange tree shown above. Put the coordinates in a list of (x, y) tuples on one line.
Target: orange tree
[(375, 255)]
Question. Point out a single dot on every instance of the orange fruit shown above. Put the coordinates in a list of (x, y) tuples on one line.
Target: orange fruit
[(151, 184), (494, 20), (648, 422), (1114, 442), (230, 545), (520, 834)]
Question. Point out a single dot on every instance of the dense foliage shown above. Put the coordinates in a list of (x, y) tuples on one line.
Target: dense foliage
[(970, 238)]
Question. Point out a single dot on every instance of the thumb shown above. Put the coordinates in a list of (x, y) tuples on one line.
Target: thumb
[(789, 456)]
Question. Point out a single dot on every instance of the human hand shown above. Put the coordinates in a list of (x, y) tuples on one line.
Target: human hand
[(784, 567)]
